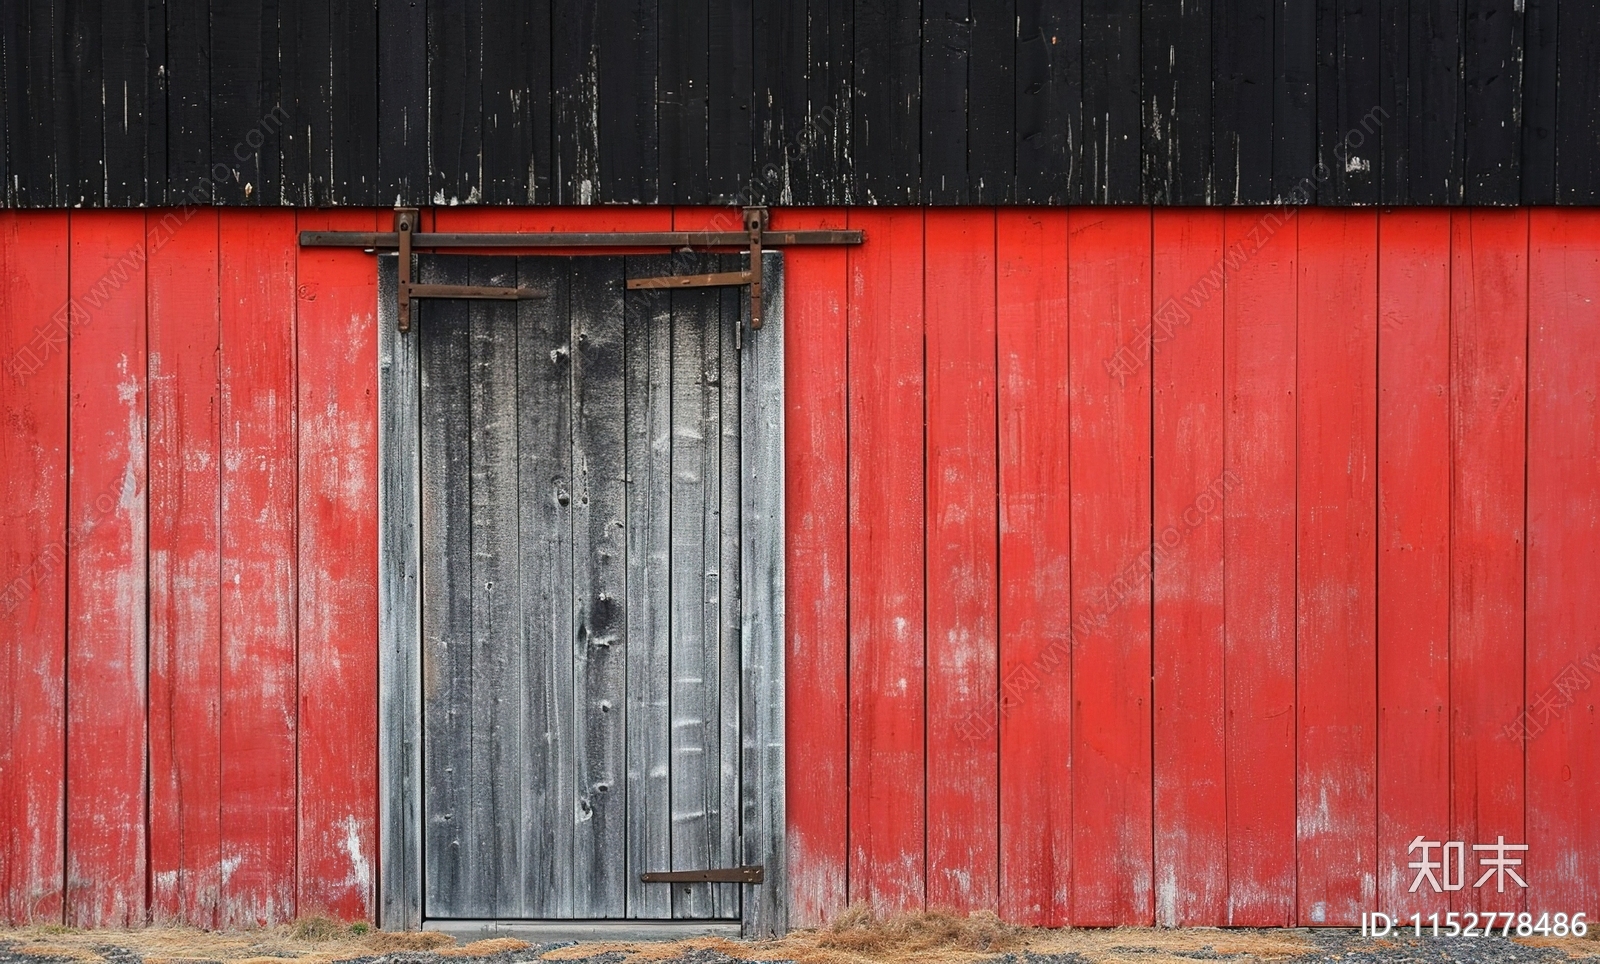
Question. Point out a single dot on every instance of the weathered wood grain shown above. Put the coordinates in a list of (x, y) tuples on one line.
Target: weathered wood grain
[(185, 647), (1413, 752), (1335, 575), (107, 575), (33, 597)]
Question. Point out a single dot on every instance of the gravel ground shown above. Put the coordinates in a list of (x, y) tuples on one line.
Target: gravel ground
[(1343, 947)]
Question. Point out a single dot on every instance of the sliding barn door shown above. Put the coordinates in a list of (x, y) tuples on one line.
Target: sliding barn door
[(580, 585)]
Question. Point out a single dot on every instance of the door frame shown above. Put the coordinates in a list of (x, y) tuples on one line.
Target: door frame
[(400, 787)]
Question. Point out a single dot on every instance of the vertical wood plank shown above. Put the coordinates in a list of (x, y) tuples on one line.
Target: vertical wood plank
[(545, 541), (1541, 39), (458, 868), (782, 135), (498, 739), (1259, 358), (887, 106), (1111, 101), (353, 98), (455, 102), (683, 79), (1049, 82), (1578, 105), (946, 36), (726, 591), (33, 564), (962, 568), (125, 69), (1336, 549), (1242, 90), (403, 114), (400, 775), (337, 592), (1108, 278), (648, 355), (887, 701), (761, 604), (695, 548), (1035, 630), (1350, 130), (1563, 551), (1175, 78), (1488, 335), (1294, 101), (1434, 137), (258, 728), (186, 70), (244, 114), (598, 586), (991, 103), (184, 591), (574, 127), (1413, 751), (1491, 68), (729, 115), (816, 526), (106, 801), (1190, 489), (626, 86)]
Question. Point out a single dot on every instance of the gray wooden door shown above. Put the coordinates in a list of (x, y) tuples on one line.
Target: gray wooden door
[(580, 584)]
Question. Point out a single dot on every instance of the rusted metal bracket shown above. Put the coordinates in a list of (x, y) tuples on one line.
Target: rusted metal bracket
[(755, 225), (405, 226), (754, 874)]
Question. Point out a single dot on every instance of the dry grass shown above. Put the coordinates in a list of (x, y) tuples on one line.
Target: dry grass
[(1577, 948), (311, 940), (860, 937)]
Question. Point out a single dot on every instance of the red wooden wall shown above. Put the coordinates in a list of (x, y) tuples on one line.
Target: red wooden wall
[(1357, 450)]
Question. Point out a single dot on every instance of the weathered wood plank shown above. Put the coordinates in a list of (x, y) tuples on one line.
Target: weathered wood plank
[(649, 419), (400, 774), (695, 542), (497, 749), (258, 723), (761, 605), (106, 682), (817, 529), (1191, 810), (545, 549), (1108, 298), (599, 586), (1336, 566), (184, 592), (1034, 646), (1488, 518), (456, 870), (887, 818), (33, 563), (1413, 613), (962, 546), (337, 580), (1563, 550), (724, 591), (1258, 582)]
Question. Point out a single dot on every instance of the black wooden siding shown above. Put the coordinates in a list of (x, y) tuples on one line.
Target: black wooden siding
[(310, 102)]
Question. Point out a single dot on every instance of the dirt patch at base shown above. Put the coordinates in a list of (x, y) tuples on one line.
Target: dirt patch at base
[(1577, 948), (313, 940), (860, 937)]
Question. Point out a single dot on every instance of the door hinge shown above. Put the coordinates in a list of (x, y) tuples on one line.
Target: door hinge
[(405, 226), (755, 226), (753, 874)]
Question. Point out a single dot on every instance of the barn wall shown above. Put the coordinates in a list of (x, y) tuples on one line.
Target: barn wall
[(1362, 446)]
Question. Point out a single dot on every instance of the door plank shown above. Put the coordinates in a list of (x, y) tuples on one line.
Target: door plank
[(497, 656), (598, 591), (453, 860), (649, 418), (696, 479), (544, 548), (725, 897)]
